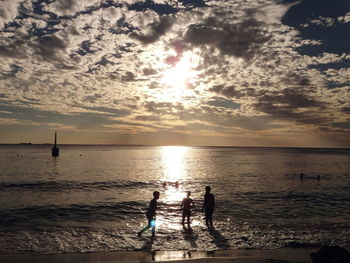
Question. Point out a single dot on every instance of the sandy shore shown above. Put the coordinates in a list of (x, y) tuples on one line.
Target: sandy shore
[(292, 255)]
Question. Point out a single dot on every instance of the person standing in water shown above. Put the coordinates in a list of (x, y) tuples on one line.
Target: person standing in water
[(151, 215), (186, 205), (208, 206)]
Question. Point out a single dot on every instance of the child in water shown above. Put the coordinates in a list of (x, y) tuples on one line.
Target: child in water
[(151, 215), (186, 208)]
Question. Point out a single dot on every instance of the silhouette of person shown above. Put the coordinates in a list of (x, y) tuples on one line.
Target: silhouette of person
[(151, 215), (208, 206), (186, 208)]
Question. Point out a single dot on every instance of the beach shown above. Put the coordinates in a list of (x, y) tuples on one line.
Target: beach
[(292, 255)]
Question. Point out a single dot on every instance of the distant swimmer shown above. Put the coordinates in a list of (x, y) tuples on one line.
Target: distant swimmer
[(177, 184), (186, 205), (164, 184), (208, 206), (151, 215), (318, 177), (301, 176)]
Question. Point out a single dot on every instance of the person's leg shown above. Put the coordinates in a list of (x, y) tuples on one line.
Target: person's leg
[(206, 219), (211, 219), (188, 219), (153, 231), (145, 228)]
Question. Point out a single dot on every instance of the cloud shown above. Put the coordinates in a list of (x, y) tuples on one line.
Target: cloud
[(162, 107), (220, 102), (8, 11), (242, 39), (70, 7), (50, 47), (292, 104), (200, 67), (229, 92), (154, 30)]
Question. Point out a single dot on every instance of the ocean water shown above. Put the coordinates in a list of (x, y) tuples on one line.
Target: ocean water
[(93, 198)]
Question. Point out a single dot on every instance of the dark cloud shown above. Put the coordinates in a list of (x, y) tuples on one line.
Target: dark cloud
[(292, 98), (81, 120), (163, 107), (254, 123), (221, 102), (229, 91), (13, 49), (242, 39), (128, 76), (291, 104), (342, 125), (223, 119), (49, 47), (154, 31), (93, 98), (147, 118), (346, 110), (116, 112), (149, 71)]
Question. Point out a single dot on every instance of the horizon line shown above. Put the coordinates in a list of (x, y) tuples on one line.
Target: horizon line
[(161, 145)]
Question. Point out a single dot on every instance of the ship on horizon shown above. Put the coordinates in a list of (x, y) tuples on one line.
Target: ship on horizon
[(55, 150)]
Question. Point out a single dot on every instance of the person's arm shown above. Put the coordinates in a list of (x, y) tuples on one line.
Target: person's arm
[(182, 204), (213, 202), (192, 202)]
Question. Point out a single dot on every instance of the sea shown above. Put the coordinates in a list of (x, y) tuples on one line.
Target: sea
[(94, 198)]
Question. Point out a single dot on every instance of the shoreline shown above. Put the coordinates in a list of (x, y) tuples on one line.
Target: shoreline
[(282, 255)]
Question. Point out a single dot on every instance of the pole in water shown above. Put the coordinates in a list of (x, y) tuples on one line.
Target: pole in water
[(55, 150)]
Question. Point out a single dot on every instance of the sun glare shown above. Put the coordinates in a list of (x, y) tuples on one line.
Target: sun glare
[(177, 79)]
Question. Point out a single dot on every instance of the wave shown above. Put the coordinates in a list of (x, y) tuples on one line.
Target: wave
[(49, 215), (54, 186)]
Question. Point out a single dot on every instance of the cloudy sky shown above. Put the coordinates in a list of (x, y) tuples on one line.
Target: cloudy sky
[(187, 72)]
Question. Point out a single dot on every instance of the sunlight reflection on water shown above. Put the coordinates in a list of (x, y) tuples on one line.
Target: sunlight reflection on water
[(174, 171), (173, 160)]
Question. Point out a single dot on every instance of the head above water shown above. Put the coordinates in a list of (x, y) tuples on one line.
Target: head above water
[(156, 194), (208, 189)]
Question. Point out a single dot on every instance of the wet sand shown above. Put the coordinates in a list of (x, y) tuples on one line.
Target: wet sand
[(286, 255)]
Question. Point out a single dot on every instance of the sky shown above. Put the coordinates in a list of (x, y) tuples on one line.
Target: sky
[(167, 72)]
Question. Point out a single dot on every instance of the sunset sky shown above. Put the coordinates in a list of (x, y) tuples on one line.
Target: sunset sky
[(162, 72)]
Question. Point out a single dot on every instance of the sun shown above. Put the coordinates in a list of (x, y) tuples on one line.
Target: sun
[(177, 80)]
